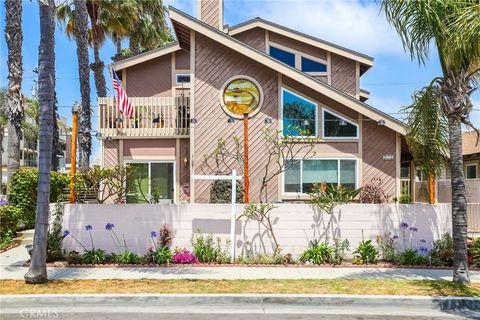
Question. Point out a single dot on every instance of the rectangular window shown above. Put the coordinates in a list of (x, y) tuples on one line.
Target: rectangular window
[(309, 65), (283, 56), (471, 171), (299, 115), (299, 177), (151, 181), (336, 126), (182, 78)]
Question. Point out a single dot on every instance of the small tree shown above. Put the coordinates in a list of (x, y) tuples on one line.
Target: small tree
[(328, 196), (261, 212)]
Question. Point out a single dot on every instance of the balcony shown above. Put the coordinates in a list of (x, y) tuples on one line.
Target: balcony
[(152, 117)]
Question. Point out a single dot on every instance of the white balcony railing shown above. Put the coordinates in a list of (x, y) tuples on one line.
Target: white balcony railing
[(152, 117)]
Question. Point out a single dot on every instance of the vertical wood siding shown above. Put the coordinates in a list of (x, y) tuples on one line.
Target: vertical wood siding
[(214, 65), (110, 153), (344, 74), (184, 171), (377, 141), (254, 38), (150, 78)]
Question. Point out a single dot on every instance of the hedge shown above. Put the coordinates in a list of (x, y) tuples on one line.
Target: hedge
[(9, 219), (23, 192)]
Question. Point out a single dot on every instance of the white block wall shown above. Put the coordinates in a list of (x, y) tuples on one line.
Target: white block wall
[(294, 224)]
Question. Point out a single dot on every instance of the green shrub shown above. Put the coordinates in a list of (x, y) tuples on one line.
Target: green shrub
[(442, 251), (93, 256), (365, 253), (317, 253), (340, 249), (405, 197), (23, 192), (208, 250), (162, 255), (128, 257), (411, 257), (9, 220), (55, 236), (387, 244), (476, 253), (73, 257), (328, 196), (251, 258)]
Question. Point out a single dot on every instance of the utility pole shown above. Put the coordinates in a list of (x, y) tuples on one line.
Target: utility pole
[(73, 155)]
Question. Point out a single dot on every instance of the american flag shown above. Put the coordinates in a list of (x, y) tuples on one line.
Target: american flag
[(123, 104)]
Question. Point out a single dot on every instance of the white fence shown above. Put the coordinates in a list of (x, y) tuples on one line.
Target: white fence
[(294, 224)]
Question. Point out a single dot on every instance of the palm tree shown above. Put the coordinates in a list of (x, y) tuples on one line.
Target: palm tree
[(454, 28), (3, 126), (427, 135), (80, 31), (150, 29), (14, 107), (37, 272)]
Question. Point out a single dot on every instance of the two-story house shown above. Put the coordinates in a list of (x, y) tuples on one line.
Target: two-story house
[(190, 93)]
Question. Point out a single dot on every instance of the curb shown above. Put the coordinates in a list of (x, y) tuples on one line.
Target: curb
[(183, 300)]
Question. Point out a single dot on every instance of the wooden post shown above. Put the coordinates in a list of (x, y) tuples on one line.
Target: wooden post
[(245, 158), (73, 154)]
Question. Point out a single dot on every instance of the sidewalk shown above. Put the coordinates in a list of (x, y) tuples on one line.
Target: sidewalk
[(12, 260)]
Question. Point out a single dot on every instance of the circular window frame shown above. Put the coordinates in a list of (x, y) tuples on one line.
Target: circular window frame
[(237, 77)]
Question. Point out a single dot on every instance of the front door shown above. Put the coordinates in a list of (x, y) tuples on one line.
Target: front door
[(151, 182)]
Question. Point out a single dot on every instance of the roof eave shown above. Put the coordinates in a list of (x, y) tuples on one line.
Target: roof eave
[(152, 54)]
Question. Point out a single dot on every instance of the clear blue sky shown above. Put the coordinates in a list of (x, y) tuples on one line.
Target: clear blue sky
[(354, 24)]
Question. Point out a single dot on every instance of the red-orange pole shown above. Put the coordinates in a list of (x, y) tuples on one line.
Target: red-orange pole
[(73, 156), (245, 156), (431, 189)]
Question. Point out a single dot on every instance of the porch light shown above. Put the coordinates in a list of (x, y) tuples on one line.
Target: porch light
[(381, 122), (306, 122), (109, 138), (231, 120), (98, 135), (342, 123), (268, 121), (185, 162), (193, 121)]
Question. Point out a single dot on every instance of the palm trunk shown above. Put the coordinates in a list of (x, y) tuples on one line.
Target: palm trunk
[(54, 158), (459, 203), (37, 272), (80, 17), (118, 45), (14, 108), (97, 68)]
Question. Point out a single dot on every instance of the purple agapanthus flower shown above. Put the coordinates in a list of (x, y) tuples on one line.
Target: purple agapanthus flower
[(65, 233), (423, 250), (153, 234), (88, 227), (3, 202), (403, 225), (413, 229), (109, 226), (423, 240)]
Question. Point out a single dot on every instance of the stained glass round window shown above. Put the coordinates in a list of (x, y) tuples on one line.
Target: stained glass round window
[(242, 95)]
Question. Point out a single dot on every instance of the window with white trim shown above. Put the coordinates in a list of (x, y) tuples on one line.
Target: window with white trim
[(300, 176), (338, 127), (298, 60), (299, 115)]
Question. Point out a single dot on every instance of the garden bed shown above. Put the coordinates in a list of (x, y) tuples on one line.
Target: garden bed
[(63, 264)]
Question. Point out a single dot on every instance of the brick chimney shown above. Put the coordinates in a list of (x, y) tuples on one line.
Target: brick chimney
[(211, 12)]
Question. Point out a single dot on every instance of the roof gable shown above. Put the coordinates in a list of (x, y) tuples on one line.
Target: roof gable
[(365, 60), (259, 56)]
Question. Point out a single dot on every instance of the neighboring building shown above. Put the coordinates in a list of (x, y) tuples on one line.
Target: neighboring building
[(29, 149), (185, 93), (471, 155)]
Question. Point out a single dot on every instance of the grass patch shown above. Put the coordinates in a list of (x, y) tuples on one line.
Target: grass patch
[(357, 287)]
